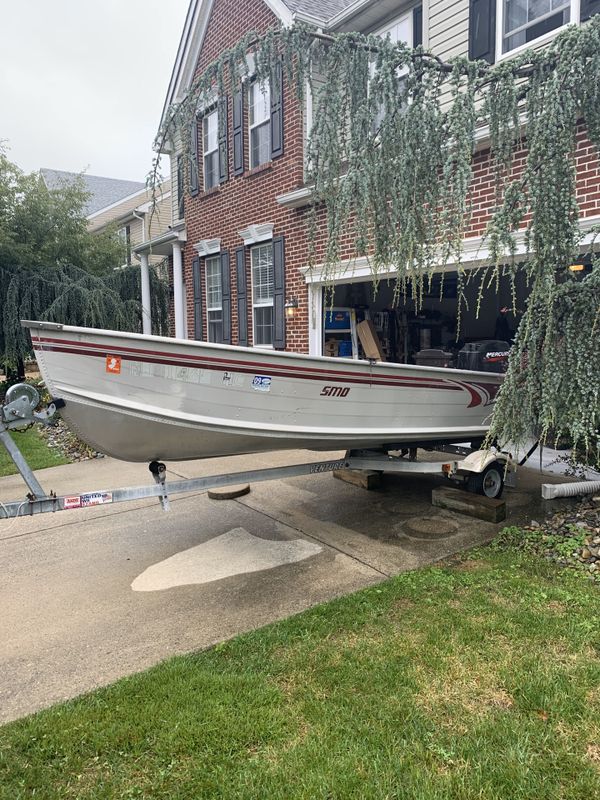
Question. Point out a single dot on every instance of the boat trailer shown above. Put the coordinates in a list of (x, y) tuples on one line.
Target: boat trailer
[(484, 472)]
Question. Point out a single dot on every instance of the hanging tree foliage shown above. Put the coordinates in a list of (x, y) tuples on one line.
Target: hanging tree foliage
[(52, 268), (73, 296), (390, 159)]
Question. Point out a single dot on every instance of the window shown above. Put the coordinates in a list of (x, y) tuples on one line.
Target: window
[(214, 299), (402, 29), (523, 21), (262, 293), (210, 148), (180, 206), (125, 237), (259, 121)]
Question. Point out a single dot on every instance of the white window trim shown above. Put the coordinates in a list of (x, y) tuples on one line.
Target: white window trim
[(255, 234), (400, 18), (214, 308), (260, 304), (206, 103), (252, 86), (575, 18), (208, 247), (205, 153)]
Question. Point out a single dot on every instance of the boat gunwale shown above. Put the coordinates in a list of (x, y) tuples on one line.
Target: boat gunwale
[(266, 353)]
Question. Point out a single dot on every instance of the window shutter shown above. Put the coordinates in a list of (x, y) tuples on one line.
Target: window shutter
[(238, 132), (278, 294), (226, 297), (418, 26), (197, 283), (194, 159), (180, 196), (242, 296), (482, 30), (589, 8), (223, 153), (277, 112)]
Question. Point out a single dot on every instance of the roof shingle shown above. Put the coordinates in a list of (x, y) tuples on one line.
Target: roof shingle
[(322, 9), (103, 191)]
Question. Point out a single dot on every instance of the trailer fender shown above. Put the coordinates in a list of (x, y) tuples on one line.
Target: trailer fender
[(479, 460)]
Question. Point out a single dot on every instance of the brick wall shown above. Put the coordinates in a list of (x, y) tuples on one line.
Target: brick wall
[(251, 198), (587, 188)]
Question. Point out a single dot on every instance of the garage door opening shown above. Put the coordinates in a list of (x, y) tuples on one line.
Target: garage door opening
[(429, 335)]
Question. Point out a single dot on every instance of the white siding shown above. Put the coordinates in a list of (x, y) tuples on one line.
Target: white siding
[(449, 27)]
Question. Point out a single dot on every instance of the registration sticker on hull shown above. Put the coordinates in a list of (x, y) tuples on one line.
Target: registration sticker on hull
[(262, 383), (113, 365)]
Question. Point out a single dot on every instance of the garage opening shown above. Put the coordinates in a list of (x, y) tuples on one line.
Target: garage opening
[(430, 335)]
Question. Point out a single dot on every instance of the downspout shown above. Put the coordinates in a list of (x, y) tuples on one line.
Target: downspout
[(142, 219), (552, 490)]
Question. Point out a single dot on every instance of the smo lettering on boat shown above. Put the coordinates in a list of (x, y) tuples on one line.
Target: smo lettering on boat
[(335, 391)]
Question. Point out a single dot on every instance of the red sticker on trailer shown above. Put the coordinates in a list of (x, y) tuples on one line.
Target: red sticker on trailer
[(73, 501)]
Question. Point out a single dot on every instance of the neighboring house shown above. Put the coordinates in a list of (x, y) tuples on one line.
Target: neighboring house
[(143, 221), (103, 192), (238, 238), (138, 219), (129, 208)]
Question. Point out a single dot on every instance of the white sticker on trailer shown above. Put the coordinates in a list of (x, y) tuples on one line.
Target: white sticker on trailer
[(87, 500), (96, 499)]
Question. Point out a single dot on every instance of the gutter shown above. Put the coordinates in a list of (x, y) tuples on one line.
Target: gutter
[(165, 238)]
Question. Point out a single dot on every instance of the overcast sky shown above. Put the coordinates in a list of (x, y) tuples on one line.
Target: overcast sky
[(82, 83)]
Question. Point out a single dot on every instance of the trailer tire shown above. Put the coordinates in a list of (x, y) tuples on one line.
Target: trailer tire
[(489, 483)]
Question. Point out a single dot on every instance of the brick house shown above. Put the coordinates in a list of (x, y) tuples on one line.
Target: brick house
[(239, 229)]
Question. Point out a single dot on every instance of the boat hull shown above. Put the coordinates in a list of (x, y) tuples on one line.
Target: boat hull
[(144, 398)]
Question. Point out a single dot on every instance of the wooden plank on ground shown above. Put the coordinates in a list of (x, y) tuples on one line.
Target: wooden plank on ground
[(229, 492), (365, 478), (473, 505)]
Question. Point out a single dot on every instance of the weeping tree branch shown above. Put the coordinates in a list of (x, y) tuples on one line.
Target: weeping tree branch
[(390, 161)]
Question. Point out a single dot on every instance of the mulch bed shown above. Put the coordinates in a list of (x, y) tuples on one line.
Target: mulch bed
[(570, 537)]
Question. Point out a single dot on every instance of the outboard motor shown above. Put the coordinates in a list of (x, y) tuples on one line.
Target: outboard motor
[(488, 355)]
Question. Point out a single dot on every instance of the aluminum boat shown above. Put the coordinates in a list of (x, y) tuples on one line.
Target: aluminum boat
[(143, 398)]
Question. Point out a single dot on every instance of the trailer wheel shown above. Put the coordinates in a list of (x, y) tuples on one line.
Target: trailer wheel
[(489, 483)]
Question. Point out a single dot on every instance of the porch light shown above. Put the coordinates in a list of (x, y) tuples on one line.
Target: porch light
[(291, 306)]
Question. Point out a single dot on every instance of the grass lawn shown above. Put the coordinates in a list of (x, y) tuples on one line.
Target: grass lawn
[(36, 452), (475, 679)]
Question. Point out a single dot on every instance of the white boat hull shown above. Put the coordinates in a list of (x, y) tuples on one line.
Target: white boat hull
[(145, 398)]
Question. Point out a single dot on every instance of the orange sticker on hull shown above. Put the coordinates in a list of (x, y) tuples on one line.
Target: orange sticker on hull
[(113, 364)]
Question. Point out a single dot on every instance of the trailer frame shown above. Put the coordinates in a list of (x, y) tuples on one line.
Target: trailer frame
[(20, 412)]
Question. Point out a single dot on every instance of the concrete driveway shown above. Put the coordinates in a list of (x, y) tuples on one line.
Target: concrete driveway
[(88, 596)]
